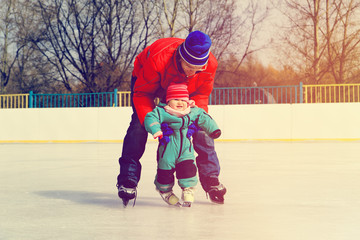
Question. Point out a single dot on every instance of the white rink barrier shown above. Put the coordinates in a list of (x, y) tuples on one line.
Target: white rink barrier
[(272, 122)]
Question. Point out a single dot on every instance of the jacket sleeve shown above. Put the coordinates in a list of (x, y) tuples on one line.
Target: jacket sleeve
[(146, 85), (203, 91), (152, 121), (201, 96), (208, 124)]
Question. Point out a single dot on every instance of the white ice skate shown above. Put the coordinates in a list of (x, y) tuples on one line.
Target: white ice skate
[(188, 196), (170, 198)]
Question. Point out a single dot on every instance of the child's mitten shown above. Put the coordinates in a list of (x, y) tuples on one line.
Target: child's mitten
[(193, 128)]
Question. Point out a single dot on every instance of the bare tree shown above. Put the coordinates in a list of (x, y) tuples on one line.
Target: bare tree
[(233, 31), (194, 13), (30, 70), (184, 16), (93, 42), (229, 31), (125, 28), (219, 20), (302, 37), (343, 38), (248, 30), (170, 10), (323, 37), (9, 46)]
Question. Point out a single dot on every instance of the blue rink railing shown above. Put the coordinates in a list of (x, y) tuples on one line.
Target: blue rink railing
[(220, 96), (104, 99)]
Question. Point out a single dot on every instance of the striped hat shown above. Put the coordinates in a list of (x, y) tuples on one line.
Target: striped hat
[(177, 91), (195, 49)]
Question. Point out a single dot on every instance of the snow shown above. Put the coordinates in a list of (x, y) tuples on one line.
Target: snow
[(276, 191)]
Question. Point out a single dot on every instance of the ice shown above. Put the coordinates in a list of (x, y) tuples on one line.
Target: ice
[(276, 191)]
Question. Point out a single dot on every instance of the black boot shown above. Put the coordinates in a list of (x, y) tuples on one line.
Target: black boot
[(127, 191), (214, 189), (216, 193)]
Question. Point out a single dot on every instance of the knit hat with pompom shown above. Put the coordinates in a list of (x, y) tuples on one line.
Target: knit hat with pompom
[(195, 49)]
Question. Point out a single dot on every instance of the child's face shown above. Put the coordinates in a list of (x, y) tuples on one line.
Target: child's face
[(178, 104)]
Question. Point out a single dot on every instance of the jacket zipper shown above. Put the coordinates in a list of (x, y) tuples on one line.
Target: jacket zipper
[(189, 138), (162, 155), (181, 136)]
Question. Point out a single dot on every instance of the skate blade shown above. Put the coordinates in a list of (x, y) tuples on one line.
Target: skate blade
[(126, 202), (186, 204), (178, 204)]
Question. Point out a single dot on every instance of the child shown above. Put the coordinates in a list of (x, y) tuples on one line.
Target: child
[(174, 124)]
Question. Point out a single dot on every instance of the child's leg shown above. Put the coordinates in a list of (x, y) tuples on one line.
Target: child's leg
[(186, 173), (164, 182)]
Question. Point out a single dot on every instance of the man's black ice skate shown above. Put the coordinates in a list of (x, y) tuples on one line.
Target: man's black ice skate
[(214, 189), (216, 193), (126, 194)]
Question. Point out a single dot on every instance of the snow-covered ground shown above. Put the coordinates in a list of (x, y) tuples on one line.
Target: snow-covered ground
[(276, 191)]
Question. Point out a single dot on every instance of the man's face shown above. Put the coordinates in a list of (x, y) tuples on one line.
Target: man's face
[(190, 70)]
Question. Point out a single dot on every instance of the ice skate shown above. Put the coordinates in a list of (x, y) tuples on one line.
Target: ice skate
[(170, 198), (126, 194), (216, 193), (188, 196)]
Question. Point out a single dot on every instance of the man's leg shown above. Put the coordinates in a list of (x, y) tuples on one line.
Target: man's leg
[(209, 167), (130, 166), (133, 149)]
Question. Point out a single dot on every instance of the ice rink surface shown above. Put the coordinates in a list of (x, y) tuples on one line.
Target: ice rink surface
[(276, 191)]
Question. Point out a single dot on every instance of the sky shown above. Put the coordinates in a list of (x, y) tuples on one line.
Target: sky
[(269, 31)]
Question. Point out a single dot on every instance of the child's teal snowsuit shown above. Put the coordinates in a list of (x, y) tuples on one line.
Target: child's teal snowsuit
[(177, 153)]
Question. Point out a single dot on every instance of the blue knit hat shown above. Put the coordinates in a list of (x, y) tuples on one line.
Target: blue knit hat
[(196, 48)]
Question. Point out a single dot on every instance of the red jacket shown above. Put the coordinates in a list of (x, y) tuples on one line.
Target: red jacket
[(157, 66)]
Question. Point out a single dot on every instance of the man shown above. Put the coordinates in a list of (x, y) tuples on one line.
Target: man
[(170, 60)]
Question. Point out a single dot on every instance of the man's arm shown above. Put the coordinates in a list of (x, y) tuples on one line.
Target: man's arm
[(202, 93), (146, 85)]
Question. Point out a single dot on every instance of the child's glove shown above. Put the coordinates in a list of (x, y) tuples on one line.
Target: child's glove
[(193, 128), (166, 131), (158, 134)]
